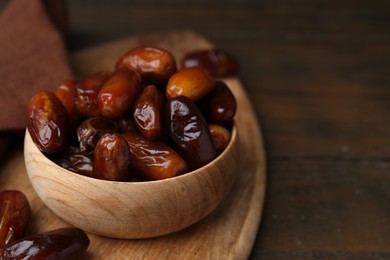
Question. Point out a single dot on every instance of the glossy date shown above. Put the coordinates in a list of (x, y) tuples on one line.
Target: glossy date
[(14, 216), (220, 136), (189, 131), (87, 91), (155, 65), (64, 243), (217, 62), (91, 130), (66, 92), (221, 104), (193, 83), (153, 160), (118, 93), (46, 122), (73, 160), (147, 112), (111, 159)]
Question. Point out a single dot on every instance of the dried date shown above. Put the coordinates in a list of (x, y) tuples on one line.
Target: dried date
[(73, 160), (147, 112), (155, 65), (193, 83), (217, 62), (91, 130), (153, 160), (118, 93), (111, 159), (221, 104), (87, 91), (65, 92), (15, 214), (46, 122), (64, 243), (126, 123), (189, 131), (220, 136)]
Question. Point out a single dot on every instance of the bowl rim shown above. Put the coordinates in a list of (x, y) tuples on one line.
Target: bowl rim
[(234, 138)]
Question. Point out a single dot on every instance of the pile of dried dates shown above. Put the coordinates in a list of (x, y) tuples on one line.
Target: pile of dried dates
[(146, 120), (63, 243)]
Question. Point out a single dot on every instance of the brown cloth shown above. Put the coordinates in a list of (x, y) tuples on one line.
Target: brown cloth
[(32, 58)]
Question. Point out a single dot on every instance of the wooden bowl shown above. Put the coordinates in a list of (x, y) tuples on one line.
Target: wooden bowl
[(131, 209)]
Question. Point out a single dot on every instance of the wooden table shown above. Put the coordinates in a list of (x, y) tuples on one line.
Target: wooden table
[(318, 75)]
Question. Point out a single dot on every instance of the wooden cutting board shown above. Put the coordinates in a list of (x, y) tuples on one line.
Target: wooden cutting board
[(228, 233)]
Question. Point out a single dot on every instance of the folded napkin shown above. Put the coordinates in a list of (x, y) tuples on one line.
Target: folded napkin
[(32, 58)]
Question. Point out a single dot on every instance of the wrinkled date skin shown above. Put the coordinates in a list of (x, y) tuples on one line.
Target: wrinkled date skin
[(221, 104), (87, 91), (111, 159), (73, 160), (47, 122), (155, 65), (15, 214), (193, 83), (126, 123), (147, 112), (64, 243), (189, 131), (91, 130), (153, 160), (217, 62), (65, 92), (220, 136), (118, 93)]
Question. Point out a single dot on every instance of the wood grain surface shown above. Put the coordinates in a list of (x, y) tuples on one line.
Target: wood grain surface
[(228, 233), (317, 74)]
